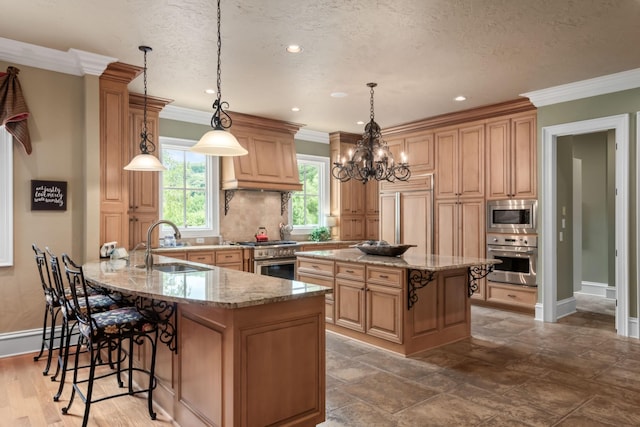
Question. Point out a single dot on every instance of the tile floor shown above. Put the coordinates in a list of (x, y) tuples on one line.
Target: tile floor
[(514, 371)]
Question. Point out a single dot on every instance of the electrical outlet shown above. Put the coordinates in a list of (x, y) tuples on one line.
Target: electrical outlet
[(199, 239)]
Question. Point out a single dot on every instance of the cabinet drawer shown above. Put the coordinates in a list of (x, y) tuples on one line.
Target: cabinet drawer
[(384, 276), (316, 280), (315, 266), (350, 271), (202, 257), (513, 295), (226, 257), (176, 255)]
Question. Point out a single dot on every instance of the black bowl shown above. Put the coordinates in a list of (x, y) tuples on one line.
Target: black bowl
[(384, 250)]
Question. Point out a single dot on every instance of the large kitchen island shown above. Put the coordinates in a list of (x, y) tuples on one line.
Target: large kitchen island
[(240, 349), (404, 304)]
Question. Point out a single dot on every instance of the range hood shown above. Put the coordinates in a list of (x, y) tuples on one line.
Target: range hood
[(271, 164)]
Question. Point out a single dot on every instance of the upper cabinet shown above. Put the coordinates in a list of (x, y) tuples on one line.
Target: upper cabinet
[(460, 161), (511, 157), (143, 186), (419, 151), (271, 163)]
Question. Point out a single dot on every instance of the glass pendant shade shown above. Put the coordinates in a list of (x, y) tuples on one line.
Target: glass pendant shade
[(146, 163), (219, 142)]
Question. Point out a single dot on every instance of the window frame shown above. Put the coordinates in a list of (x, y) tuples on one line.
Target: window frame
[(6, 198), (213, 193), (323, 193)]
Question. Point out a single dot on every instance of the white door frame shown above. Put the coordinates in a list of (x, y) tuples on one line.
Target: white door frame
[(549, 285)]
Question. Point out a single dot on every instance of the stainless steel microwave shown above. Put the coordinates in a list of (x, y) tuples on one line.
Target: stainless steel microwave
[(512, 216)]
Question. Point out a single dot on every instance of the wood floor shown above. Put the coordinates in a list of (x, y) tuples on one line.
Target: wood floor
[(26, 400)]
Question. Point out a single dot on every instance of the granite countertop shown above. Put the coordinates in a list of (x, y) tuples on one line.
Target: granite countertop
[(416, 262), (215, 286)]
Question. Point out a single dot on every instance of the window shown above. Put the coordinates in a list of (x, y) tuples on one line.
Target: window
[(189, 196), (310, 205), (6, 198)]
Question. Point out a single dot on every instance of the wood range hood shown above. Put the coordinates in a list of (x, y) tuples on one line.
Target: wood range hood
[(271, 163)]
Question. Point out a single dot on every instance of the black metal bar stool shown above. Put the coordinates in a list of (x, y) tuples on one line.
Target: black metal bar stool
[(109, 331), (51, 309), (98, 301)]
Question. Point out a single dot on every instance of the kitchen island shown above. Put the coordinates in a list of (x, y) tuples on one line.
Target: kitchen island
[(241, 349), (404, 304)]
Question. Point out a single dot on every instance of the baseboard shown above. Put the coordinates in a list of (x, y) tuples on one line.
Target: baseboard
[(595, 288), (539, 312), (21, 342), (632, 327), (566, 307), (611, 292)]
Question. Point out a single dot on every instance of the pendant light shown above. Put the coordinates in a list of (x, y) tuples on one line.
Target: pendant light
[(219, 142), (145, 161), (371, 159)]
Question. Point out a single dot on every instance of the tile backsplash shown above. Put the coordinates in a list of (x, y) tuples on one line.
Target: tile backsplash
[(249, 210)]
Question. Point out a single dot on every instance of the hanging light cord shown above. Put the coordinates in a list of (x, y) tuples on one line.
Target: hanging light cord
[(146, 145), (220, 120)]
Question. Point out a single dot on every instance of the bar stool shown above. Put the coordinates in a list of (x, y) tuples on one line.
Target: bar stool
[(108, 331), (51, 309), (97, 301)]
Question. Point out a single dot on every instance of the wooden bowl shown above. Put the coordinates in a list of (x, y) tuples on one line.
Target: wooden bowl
[(384, 250)]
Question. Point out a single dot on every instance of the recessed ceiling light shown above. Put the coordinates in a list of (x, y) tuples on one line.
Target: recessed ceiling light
[(460, 98), (338, 94), (294, 48), (359, 122), (295, 109), (210, 91)]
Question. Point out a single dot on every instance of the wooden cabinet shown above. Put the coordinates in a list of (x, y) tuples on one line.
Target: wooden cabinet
[(229, 258), (114, 152), (174, 254), (419, 151), (369, 300), (512, 296), (144, 189), (271, 163), (460, 161), (318, 272), (204, 257), (354, 202), (511, 167), (414, 224), (460, 231)]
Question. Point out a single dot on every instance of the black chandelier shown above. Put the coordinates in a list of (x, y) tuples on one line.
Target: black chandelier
[(371, 158)]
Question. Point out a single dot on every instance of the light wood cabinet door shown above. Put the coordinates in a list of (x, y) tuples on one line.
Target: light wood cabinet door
[(384, 312), (388, 217), (349, 304), (372, 227), (470, 161), (460, 161), (419, 151), (416, 221), (352, 228), (446, 230), (460, 228), (446, 182), (371, 198), (511, 158), (523, 157)]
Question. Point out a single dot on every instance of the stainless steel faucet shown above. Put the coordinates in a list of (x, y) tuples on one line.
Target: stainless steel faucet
[(148, 256)]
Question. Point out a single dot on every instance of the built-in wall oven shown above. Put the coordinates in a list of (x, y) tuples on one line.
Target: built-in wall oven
[(519, 256), (275, 258), (512, 216)]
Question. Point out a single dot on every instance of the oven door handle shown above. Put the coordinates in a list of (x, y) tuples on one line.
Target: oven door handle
[(507, 251)]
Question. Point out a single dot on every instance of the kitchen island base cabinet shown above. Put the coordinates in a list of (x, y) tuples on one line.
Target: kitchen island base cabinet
[(378, 314), (239, 367)]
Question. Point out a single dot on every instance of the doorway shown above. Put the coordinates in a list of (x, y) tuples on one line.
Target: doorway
[(591, 224), (552, 212)]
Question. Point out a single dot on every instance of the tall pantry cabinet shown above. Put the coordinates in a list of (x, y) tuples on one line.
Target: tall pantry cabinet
[(459, 206)]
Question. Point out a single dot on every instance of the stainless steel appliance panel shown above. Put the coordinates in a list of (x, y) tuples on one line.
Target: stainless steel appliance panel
[(519, 256), (512, 216)]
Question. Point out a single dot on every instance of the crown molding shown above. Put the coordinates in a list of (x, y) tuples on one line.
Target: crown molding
[(312, 136), (75, 62), (585, 88)]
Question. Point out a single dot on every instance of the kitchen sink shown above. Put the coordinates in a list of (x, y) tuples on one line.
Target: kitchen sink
[(176, 267)]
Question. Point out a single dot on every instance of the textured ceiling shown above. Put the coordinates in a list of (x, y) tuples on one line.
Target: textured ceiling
[(422, 53)]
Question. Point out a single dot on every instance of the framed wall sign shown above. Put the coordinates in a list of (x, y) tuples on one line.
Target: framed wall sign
[(48, 195)]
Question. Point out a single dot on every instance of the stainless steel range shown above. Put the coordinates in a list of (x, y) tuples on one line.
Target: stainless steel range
[(274, 258)]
